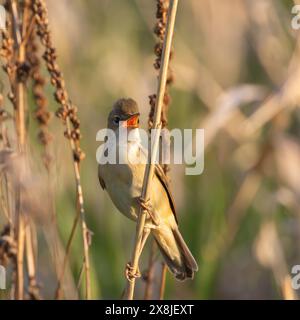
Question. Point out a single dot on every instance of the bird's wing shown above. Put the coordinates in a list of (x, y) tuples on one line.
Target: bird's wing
[(159, 172), (102, 183), (164, 181)]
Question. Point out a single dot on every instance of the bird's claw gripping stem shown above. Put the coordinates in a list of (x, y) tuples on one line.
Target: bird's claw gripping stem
[(146, 205), (130, 275)]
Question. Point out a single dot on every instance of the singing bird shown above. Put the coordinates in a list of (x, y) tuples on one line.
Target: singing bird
[(123, 181)]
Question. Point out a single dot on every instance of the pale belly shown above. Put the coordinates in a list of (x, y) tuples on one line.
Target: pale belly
[(123, 183)]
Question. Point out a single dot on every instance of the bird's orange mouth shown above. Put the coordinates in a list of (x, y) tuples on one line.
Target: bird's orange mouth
[(133, 121)]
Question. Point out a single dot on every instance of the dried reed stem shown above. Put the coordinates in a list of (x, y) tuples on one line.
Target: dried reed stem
[(162, 281), (8, 247), (58, 294), (149, 277), (160, 32), (43, 117), (19, 293), (152, 153), (33, 288), (161, 14), (288, 292), (21, 77), (68, 113)]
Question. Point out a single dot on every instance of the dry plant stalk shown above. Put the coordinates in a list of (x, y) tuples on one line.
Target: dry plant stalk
[(149, 171), (162, 281), (68, 114), (8, 244), (21, 62), (148, 276), (21, 76), (160, 32), (19, 233), (269, 252)]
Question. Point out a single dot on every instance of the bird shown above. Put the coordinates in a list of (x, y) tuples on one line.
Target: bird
[(123, 182)]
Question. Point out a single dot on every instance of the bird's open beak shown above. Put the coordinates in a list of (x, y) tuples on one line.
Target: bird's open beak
[(132, 121)]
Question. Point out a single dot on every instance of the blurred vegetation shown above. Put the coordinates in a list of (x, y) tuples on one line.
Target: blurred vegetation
[(106, 52)]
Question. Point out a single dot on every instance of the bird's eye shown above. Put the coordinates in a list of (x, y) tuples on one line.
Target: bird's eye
[(116, 120)]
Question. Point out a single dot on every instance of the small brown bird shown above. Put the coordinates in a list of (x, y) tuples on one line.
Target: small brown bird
[(123, 182)]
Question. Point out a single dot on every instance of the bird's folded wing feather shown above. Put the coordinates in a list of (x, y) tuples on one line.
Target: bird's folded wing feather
[(159, 173), (102, 183), (164, 181)]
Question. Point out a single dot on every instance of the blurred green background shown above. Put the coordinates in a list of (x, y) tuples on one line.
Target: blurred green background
[(245, 249)]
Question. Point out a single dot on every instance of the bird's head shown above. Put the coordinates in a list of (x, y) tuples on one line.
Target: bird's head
[(125, 113)]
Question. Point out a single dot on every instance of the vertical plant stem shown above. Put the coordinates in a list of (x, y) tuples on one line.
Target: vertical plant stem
[(150, 273), (160, 32), (58, 294), (20, 112), (153, 152), (20, 126), (85, 232), (29, 252), (31, 260), (20, 258), (68, 113), (162, 281)]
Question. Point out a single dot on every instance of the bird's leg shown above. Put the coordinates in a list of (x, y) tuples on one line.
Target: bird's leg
[(146, 205), (129, 272), (145, 236)]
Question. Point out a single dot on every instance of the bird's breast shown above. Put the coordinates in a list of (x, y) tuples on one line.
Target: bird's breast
[(123, 182)]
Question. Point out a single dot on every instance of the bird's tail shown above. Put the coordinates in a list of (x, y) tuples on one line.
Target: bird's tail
[(176, 253)]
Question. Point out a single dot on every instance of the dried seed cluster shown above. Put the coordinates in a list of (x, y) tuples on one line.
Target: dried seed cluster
[(6, 53), (67, 111), (160, 31), (42, 113)]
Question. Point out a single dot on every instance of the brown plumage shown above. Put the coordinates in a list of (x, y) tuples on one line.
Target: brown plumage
[(123, 183)]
